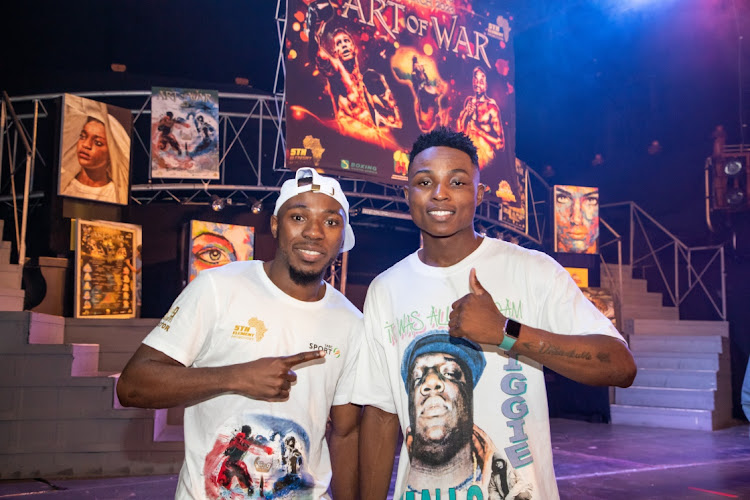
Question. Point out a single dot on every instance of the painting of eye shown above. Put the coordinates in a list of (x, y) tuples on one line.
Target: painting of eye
[(213, 244)]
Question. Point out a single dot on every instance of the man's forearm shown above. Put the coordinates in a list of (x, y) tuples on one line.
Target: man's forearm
[(377, 449), (343, 443), (589, 359), (151, 384)]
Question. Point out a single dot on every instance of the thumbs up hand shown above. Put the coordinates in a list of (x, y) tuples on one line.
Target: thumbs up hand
[(475, 315)]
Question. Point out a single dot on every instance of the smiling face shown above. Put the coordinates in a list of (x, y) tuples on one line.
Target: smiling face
[(92, 149), (440, 407), (443, 192), (310, 231)]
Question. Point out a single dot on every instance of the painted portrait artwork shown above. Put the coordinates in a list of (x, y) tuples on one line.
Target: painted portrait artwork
[(213, 244), (576, 219)]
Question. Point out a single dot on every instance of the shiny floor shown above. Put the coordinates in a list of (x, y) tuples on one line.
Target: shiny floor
[(592, 461)]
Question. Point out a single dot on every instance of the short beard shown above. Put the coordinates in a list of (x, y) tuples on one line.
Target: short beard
[(304, 278)]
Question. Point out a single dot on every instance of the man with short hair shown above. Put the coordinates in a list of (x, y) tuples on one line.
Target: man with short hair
[(520, 307), (227, 350)]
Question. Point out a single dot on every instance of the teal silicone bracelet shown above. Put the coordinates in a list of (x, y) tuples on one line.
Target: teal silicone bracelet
[(507, 342)]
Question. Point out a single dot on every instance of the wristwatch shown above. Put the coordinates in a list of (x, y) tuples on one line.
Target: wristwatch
[(510, 334)]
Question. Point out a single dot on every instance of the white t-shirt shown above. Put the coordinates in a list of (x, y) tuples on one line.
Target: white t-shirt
[(406, 316), (99, 193), (235, 314)]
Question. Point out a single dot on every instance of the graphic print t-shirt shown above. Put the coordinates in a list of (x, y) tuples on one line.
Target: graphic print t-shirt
[(475, 421), (237, 447)]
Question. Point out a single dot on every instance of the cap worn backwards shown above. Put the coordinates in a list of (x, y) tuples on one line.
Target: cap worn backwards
[(317, 183)]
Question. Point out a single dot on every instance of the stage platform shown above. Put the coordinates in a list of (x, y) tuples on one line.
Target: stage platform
[(592, 461)]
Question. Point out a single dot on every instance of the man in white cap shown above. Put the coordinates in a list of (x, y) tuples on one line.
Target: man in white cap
[(227, 350)]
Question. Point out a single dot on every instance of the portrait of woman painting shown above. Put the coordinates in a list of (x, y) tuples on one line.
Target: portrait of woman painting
[(94, 151)]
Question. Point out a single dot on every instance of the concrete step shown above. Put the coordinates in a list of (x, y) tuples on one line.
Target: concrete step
[(677, 361), (671, 327), (702, 344), (627, 269), (642, 299), (628, 285), (697, 399), (11, 276), (117, 339), (81, 434), (90, 464), (673, 418), (650, 312), (11, 299), (48, 365), (676, 379), (4, 251), (19, 329), (65, 402)]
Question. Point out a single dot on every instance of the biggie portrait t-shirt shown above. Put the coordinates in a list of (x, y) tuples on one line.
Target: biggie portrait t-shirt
[(474, 420)]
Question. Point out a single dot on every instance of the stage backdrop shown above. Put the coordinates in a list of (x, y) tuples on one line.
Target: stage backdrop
[(105, 285), (94, 151), (184, 133), (576, 219), (212, 244), (362, 84)]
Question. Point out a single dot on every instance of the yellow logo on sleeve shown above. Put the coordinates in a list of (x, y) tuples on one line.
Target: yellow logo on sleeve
[(164, 323), (255, 330)]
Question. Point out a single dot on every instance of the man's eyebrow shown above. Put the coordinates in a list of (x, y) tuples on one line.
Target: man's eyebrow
[(563, 191), (428, 170)]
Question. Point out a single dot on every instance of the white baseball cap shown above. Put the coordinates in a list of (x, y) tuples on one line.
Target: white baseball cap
[(319, 184)]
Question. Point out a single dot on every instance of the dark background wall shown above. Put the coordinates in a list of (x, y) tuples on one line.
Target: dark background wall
[(593, 77)]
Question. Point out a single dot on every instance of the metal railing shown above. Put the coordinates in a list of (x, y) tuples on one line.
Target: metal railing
[(661, 257)]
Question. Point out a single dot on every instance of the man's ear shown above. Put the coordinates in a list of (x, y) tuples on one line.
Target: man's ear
[(406, 193), (274, 225), (481, 188), (409, 439)]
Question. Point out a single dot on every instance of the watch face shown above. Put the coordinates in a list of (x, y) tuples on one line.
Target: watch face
[(512, 328)]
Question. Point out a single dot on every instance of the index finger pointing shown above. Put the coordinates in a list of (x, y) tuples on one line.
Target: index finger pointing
[(302, 357)]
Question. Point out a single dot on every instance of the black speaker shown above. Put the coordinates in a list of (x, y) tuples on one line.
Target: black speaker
[(729, 182)]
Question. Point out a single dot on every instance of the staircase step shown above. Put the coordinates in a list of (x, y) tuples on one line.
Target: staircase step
[(19, 329), (85, 360), (81, 434), (4, 251), (672, 327), (11, 276), (678, 344), (673, 418), (92, 464), (642, 299), (74, 402), (675, 361), (11, 299), (627, 269), (117, 339), (650, 312), (628, 285), (676, 379), (697, 399)]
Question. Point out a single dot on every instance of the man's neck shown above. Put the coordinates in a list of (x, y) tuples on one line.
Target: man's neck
[(279, 276), (459, 471), (448, 251)]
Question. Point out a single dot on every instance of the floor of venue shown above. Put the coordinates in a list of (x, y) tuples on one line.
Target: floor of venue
[(592, 461)]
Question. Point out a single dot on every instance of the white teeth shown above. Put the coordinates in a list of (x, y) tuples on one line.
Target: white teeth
[(310, 252), (440, 213)]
